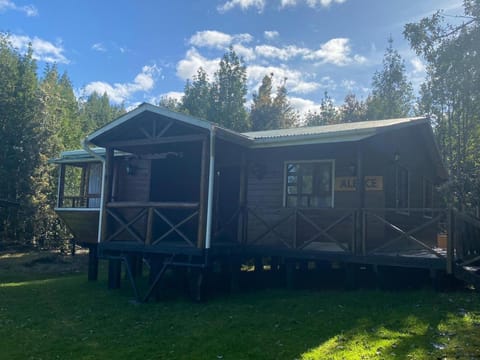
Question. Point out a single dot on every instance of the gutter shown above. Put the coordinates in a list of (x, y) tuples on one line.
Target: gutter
[(102, 159), (211, 178)]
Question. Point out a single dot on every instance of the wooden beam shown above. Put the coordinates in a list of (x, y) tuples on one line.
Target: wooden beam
[(202, 211), (107, 193), (450, 240), (242, 199), (158, 141), (361, 197), (153, 204), (61, 185)]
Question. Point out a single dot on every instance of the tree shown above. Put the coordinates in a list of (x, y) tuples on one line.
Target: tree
[(286, 115), (327, 115), (97, 111), (228, 93), (18, 131), (392, 94), (352, 110), (451, 94), (197, 100)]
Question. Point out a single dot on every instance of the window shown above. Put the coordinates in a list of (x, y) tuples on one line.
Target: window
[(427, 198), (309, 184), (402, 188)]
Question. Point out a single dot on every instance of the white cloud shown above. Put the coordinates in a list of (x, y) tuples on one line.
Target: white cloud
[(304, 105), (296, 82), (29, 10), (242, 4), (99, 47), (118, 92), (270, 35), (310, 3), (217, 39), (248, 54), (43, 50), (418, 66), (336, 51), (193, 60), (283, 54)]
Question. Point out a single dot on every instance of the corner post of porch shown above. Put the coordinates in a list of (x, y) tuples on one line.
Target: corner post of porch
[(242, 201), (61, 185), (202, 208), (450, 240), (360, 237), (106, 193), (211, 180)]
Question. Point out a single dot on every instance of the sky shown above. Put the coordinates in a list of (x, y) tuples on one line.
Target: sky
[(139, 51)]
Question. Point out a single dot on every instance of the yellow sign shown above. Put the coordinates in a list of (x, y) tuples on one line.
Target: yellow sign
[(349, 183)]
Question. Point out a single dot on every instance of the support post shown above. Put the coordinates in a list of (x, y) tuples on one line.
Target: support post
[(203, 190), (450, 240), (107, 191), (92, 263), (242, 200), (211, 177), (361, 195), (61, 185)]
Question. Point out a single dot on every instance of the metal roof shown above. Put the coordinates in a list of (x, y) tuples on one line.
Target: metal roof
[(82, 156), (328, 133)]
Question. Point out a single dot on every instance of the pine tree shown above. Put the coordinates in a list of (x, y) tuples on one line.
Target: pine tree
[(326, 116), (228, 94), (392, 94), (97, 111), (196, 100), (352, 110)]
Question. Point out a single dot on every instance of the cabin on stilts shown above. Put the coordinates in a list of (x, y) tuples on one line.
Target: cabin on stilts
[(176, 191)]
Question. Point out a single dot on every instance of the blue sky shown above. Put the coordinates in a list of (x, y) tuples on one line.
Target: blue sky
[(138, 51)]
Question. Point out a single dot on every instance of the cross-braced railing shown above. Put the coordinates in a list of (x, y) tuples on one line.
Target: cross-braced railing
[(150, 223)]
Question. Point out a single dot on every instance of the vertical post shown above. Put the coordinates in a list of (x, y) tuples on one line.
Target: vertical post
[(211, 177), (450, 240), (203, 189), (83, 187), (295, 219), (360, 193), (106, 193), (242, 200), (148, 236), (61, 185)]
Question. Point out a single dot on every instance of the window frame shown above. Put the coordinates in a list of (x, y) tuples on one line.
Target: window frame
[(397, 169), (285, 181)]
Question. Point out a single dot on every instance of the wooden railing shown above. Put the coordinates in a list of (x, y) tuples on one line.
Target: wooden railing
[(78, 201), (467, 238), (309, 229), (150, 223)]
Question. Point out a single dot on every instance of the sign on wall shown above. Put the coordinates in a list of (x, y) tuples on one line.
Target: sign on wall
[(349, 183)]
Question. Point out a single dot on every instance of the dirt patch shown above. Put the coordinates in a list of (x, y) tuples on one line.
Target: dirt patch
[(43, 262)]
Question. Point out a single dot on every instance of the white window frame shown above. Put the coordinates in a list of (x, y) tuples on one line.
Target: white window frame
[(285, 182)]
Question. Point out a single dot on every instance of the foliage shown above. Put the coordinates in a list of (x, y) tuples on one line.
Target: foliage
[(228, 93), (197, 99), (71, 318), (97, 111), (327, 115), (392, 93), (39, 118), (269, 112), (451, 94), (352, 110)]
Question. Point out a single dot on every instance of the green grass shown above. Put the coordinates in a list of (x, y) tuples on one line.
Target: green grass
[(44, 315)]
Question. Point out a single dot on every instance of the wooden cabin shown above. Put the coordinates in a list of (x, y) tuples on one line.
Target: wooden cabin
[(180, 191)]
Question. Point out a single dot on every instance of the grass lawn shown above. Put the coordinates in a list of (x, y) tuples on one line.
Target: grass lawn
[(45, 314)]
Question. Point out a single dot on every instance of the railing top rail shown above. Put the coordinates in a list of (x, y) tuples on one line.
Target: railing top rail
[(152, 204), (408, 209)]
